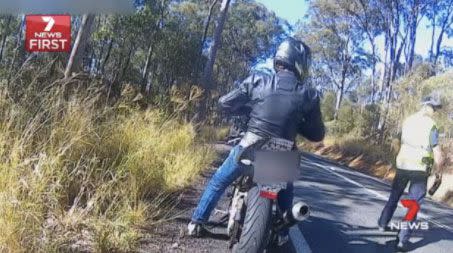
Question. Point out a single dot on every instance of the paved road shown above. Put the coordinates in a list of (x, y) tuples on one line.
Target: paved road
[(345, 208)]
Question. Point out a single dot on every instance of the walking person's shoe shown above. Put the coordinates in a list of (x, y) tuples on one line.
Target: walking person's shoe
[(402, 247), (195, 230), (383, 228)]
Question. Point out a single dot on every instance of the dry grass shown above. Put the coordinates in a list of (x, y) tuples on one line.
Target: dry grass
[(78, 176), (358, 154), (213, 134)]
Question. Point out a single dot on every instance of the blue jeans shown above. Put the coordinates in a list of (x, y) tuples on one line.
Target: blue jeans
[(417, 191), (224, 176)]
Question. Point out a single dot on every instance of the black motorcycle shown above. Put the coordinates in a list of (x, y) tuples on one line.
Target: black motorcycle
[(254, 217)]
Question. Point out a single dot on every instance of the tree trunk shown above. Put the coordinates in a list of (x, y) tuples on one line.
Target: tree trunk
[(413, 21), (340, 91), (207, 23), (5, 36), (107, 56), (386, 68), (397, 58), (148, 83), (97, 66), (433, 32), (338, 102), (393, 53), (16, 49), (384, 114), (373, 71), (155, 33), (147, 64), (74, 62), (207, 73), (145, 72), (438, 45), (128, 60), (431, 48), (448, 21)]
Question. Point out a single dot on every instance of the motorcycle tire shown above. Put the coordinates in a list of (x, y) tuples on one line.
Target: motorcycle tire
[(256, 229)]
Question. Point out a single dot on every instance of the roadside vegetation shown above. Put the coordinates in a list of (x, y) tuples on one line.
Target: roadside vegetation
[(77, 175)]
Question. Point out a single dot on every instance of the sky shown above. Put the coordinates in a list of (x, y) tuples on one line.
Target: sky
[(291, 10), (295, 10)]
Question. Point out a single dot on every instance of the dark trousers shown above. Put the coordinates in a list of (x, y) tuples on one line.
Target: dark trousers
[(417, 191)]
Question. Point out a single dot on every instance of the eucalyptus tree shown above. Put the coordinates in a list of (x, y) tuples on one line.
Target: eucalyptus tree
[(80, 43), (335, 44), (366, 21), (207, 78), (440, 15)]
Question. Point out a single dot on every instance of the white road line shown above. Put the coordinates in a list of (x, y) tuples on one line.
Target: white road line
[(332, 169), (298, 239), (352, 172), (375, 193)]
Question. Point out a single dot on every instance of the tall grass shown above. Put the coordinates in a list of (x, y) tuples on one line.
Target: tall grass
[(76, 175)]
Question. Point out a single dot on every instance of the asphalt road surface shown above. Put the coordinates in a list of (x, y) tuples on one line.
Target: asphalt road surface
[(345, 206)]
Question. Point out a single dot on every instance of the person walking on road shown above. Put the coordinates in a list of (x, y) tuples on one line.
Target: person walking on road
[(419, 151)]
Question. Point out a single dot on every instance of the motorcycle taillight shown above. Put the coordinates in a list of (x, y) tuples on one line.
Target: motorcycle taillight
[(269, 195)]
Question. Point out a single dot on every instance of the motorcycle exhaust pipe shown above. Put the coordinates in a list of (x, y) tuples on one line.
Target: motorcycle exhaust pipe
[(299, 212)]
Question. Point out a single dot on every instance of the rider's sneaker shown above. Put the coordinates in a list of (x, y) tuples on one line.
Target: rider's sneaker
[(282, 240), (195, 229)]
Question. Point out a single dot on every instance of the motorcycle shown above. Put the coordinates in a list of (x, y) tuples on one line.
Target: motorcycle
[(254, 216)]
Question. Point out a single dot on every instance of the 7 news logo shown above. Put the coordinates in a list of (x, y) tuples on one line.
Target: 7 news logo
[(409, 220), (48, 33)]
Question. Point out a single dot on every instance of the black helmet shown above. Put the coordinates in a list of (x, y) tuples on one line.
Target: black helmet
[(293, 55)]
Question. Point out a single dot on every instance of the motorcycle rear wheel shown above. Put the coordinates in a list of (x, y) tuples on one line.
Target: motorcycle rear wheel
[(256, 230)]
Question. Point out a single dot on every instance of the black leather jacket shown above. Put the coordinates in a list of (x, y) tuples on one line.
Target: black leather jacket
[(278, 106)]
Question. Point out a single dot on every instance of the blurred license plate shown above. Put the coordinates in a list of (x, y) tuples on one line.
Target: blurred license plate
[(276, 166)]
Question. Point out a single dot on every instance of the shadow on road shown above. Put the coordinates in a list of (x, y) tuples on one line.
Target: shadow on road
[(340, 239), (435, 235)]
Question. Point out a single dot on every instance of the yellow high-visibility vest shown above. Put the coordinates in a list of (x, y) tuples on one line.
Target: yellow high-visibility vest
[(415, 142)]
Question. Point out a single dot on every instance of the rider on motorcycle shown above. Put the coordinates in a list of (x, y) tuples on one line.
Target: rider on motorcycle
[(279, 105)]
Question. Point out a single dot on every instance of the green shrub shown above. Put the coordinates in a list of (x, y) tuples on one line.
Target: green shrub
[(366, 121), (345, 122), (328, 106)]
